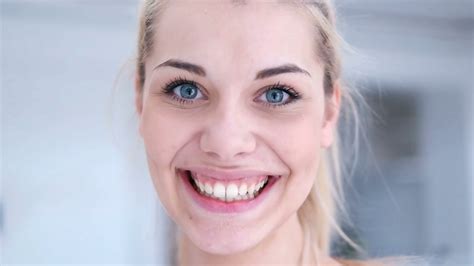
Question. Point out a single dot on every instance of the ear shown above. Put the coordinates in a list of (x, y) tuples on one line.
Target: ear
[(331, 116), (139, 101)]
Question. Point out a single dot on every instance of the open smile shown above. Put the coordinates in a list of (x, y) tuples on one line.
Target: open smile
[(227, 195)]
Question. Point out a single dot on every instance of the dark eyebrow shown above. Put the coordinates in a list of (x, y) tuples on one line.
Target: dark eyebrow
[(287, 68), (198, 70), (265, 73)]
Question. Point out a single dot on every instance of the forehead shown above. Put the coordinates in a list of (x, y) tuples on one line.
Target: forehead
[(238, 37)]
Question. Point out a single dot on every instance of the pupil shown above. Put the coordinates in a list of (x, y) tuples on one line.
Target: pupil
[(274, 96), (188, 91)]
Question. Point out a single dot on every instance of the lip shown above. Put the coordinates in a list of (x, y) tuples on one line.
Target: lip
[(217, 206), (228, 174)]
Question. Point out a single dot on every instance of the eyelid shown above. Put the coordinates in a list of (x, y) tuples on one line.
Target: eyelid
[(175, 93), (169, 90), (282, 86), (292, 94), (169, 87)]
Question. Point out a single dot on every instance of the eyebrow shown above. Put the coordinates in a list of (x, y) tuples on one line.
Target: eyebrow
[(195, 69), (265, 73), (286, 68)]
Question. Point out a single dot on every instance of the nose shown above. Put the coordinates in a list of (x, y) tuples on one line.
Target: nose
[(226, 136)]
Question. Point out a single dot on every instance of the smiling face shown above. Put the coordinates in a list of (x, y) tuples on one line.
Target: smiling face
[(232, 114)]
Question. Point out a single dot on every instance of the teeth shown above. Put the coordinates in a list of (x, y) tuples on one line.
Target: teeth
[(243, 189), (200, 186), (208, 188), (229, 192), (219, 191), (251, 189)]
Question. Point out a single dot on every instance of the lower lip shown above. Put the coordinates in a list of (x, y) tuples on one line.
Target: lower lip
[(214, 205)]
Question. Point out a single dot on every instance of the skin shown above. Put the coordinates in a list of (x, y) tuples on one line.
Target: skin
[(232, 126)]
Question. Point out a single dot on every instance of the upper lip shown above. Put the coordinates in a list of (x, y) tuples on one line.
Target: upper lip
[(227, 174)]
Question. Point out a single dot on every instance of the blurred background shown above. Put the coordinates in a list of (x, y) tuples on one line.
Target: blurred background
[(74, 183)]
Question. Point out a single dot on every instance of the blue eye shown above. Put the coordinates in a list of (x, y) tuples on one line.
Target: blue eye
[(187, 91), (183, 91), (276, 96)]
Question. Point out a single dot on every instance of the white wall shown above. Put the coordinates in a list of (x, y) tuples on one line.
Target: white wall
[(72, 194), (402, 47), (471, 159)]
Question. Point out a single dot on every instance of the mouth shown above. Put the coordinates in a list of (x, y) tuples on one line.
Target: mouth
[(230, 192)]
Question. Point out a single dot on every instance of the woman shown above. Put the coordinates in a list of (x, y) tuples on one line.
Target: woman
[(238, 103)]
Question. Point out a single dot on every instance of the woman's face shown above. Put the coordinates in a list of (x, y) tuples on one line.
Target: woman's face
[(232, 115)]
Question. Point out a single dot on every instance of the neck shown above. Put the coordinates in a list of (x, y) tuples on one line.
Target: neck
[(283, 247)]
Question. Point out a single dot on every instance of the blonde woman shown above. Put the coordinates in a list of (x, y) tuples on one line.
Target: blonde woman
[(238, 105)]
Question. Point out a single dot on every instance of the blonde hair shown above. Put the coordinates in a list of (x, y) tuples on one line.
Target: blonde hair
[(325, 203)]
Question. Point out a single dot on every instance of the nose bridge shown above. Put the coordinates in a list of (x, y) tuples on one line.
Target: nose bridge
[(227, 133)]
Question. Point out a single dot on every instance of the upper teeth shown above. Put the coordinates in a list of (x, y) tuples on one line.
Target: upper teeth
[(230, 191)]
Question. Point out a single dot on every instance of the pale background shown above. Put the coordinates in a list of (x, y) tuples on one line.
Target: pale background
[(74, 185)]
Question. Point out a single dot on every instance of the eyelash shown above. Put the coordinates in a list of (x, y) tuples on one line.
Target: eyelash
[(292, 94), (170, 86)]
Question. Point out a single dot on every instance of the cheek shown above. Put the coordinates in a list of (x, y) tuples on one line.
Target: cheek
[(163, 136), (298, 141), (159, 148), (298, 144)]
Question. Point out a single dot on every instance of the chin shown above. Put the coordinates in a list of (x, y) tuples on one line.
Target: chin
[(221, 227), (227, 243)]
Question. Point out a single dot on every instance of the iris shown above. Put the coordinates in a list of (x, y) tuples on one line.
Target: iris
[(274, 95), (187, 91)]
